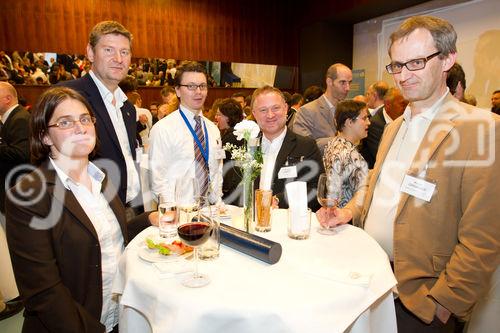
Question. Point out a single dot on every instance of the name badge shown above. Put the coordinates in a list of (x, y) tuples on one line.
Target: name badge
[(418, 187), (219, 154), (287, 172)]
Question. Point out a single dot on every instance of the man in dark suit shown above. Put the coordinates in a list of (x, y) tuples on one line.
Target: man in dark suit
[(287, 156), (109, 50), (14, 149), (296, 101), (14, 152), (394, 106), (375, 96)]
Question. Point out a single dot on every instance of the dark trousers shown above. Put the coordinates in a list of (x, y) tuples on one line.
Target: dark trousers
[(409, 323)]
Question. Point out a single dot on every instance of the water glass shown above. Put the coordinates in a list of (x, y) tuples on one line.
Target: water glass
[(299, 225), (168, 218)]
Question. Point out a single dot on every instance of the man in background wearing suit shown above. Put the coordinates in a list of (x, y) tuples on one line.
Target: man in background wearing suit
[(430, 202), (316, 119), (14, 149), (109, 51), (394, 106), (14, 152), (375, 96), (282, 149)]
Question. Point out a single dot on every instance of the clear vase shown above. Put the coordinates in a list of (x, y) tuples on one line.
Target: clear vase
[(248, 200)]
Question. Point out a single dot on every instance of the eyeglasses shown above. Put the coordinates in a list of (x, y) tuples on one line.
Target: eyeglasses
[(193, 87), (412, 65), (67, 123), (364, 118)]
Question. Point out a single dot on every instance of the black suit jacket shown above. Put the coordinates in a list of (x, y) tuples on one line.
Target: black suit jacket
[(370, 144), (109, 146), (14, 148), (57, 260), (232, 174), (302, 152)]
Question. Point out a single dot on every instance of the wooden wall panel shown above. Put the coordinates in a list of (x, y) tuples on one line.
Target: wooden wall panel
[(259, 31)]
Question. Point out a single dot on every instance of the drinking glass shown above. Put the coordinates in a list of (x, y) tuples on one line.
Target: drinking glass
[(195, 232), (187, 198), (328, 197), (210, 249), (263, 203), (167, 217), (193, 228)]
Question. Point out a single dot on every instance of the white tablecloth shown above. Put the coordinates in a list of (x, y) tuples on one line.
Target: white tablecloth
[(324, 284)]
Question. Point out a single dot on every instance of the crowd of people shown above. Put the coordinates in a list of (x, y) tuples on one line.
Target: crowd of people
[(392, 155), (25, 67)]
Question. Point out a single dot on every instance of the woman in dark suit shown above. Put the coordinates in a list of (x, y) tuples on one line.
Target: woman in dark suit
[(66, 226), (228, 114)]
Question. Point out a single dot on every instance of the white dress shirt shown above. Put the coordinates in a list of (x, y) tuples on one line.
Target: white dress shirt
[(270, 150), (387, 118), (108, 231), (375, 110), (171, 153), (7, 113), (380, 219), (115, 113)]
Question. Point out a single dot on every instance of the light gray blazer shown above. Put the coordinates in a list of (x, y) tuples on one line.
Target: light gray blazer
[(315, 120)]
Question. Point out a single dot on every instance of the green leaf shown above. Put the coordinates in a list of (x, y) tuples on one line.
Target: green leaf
[(150, 243), (163, 250)]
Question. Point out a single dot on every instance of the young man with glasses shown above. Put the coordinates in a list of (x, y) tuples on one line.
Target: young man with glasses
[(430, 201), (185, 143)]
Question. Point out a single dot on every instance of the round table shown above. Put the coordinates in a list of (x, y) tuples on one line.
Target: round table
[(332, 283)]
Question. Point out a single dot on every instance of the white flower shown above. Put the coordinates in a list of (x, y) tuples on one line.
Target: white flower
[(246, 129)]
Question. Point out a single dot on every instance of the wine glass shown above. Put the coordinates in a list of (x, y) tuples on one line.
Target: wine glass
[(196, 232), (194, 228), (328, 197)]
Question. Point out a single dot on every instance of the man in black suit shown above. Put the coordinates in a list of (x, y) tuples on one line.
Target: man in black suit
[(287, 156), (375, 96), (109, 50), (14, 152), (14, 149), (393, 107), (295, 103)]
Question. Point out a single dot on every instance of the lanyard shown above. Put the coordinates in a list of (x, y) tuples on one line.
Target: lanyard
[(204, 152)]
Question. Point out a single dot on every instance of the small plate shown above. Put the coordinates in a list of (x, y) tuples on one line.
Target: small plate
[(152, 255)]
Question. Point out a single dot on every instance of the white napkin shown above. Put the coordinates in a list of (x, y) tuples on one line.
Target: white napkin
[(166, 270), (351, 277), (297, 205)]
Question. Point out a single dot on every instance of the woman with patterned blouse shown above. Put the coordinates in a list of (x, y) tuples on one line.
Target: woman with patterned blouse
[(344, 165)]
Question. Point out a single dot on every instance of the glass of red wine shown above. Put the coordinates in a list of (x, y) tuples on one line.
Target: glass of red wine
[(328, 197), (194, 233)]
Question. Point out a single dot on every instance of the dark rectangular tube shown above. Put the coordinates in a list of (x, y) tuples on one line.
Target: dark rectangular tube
[(252, 245)]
